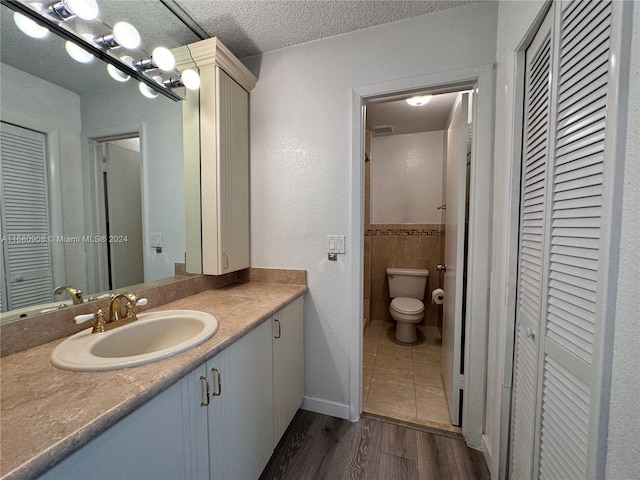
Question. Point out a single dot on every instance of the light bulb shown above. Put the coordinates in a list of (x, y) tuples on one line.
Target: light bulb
[(29, 27), (126, 35), (147, 91), (419, 100), (190, 79), (79, 54), (163, 58), (84, 9), (117, 74)]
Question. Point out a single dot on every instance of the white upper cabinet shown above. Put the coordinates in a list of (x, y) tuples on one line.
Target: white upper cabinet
[(217, 174)]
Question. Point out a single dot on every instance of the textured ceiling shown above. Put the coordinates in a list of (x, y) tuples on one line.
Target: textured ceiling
[(247, 27), (251, 27), (407, 119)]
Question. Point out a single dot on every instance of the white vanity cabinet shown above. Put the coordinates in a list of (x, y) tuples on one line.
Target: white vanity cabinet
[(153, 442), (239, 416), (288, 366), (217, 193), (221, 421)]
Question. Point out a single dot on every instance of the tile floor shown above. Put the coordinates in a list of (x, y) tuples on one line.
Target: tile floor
[(403, 381)]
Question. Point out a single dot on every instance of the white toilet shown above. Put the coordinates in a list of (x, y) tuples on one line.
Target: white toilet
[(406, 288)]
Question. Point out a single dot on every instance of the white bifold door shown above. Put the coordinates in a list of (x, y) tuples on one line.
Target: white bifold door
[(26, 276), (568, 178)]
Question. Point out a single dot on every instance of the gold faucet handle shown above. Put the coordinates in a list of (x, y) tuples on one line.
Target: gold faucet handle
[(99, 323), (137, 303)]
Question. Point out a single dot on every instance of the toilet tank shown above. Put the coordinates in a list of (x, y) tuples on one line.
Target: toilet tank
[(407, 282)]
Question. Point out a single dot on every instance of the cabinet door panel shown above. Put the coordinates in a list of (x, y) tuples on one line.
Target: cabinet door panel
[(217, 421), (150, 443), (288, 365), (233, 178), (249, 413), (241, 418)]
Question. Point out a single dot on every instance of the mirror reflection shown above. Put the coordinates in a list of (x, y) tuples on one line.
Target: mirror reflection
[(91, 179)]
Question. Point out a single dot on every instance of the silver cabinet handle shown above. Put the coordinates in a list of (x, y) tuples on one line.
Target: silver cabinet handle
[(441, 268), (215, 372), (279, 331), (205, 391), (530, 333)]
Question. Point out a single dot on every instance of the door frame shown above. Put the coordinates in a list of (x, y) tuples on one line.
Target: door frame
[(94, 199), (481, 79)]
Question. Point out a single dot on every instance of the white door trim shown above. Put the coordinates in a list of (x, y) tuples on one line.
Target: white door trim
[(480, 228)]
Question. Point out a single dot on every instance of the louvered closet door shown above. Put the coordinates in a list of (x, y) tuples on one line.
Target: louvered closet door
[(571, 359), (531, 252), (562, 243), (25, 217)]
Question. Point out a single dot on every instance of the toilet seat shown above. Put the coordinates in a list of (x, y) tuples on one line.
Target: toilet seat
[(408, 306)]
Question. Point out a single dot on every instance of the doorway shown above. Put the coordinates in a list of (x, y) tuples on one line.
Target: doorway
[(118, 204), (416, 163), (481, 80)]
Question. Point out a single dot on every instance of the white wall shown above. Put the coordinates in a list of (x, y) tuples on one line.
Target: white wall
[(164, 171), (406, 178), (301, 162), (34, 103), (623, 452)]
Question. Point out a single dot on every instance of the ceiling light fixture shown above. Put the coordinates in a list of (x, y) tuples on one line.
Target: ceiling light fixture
[(37, 21), (29, 27), (161, 58), (84, 9), (419, 100), (188, 79)]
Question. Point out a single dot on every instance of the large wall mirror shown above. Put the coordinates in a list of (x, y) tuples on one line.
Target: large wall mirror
[(101, 162)]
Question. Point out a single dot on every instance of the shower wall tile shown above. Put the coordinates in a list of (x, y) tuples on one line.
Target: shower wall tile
[(405, 246)]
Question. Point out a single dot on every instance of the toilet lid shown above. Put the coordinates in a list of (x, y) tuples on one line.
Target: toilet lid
[(407, 305)]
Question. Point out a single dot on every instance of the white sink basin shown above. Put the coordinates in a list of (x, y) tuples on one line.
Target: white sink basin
[(153, 337)]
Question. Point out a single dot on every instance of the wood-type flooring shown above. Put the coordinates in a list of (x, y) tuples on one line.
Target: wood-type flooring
[(319, 447)]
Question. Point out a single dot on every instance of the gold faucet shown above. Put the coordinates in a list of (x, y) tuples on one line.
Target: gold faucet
[(115, 308), (76, 293), (115, 318)]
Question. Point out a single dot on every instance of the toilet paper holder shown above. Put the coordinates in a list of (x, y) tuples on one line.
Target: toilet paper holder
[(437, 296)]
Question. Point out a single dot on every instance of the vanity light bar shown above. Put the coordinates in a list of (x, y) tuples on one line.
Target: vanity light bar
[(36, 16)]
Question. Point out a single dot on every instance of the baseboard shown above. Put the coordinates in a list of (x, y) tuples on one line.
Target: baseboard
[(326, 407)]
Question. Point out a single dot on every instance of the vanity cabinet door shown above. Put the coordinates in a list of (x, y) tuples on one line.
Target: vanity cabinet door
[(153, 442), (241, 418), (224, 176), (288, 366), (217, 173)]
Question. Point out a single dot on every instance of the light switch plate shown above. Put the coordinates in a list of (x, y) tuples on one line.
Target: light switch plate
[(335, 243), (156, 239)]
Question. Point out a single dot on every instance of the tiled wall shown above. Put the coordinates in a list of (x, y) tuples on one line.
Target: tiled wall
[(404, 246)]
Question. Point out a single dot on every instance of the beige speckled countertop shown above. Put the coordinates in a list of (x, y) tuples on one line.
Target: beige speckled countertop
[(46, 413)]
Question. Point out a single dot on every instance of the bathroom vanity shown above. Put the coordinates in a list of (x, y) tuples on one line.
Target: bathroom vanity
[(215, 411)]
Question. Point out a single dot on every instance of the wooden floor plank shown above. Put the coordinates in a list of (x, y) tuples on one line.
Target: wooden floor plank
[(470, 462), (318, 447), (435, 457), (399, 441), (390, 467), (286, 455)]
